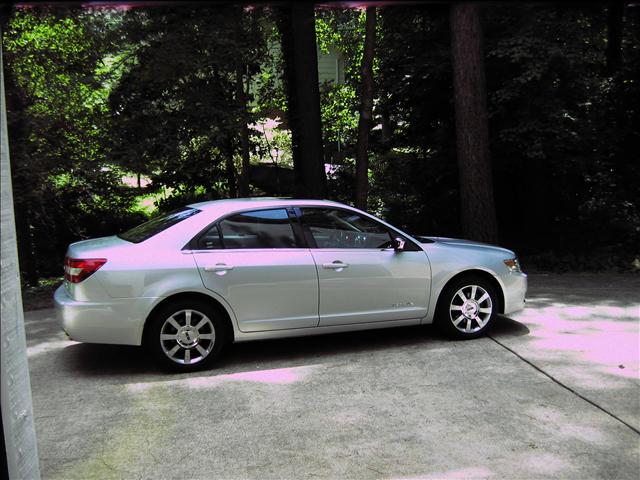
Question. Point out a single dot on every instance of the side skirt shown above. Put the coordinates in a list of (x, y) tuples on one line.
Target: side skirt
[(303, 332)]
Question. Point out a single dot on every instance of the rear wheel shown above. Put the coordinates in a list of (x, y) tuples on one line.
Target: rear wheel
[(467, 307), (186, 335)]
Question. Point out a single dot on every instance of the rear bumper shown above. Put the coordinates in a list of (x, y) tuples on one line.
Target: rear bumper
[(515, 290), (117, 321)]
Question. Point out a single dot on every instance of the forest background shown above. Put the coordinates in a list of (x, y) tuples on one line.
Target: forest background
[(116, 114)]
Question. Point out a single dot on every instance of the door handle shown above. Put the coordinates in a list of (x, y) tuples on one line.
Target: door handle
[(336, 265), (218, 267)]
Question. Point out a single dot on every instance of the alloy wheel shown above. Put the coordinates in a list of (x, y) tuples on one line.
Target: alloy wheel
[(470, 308), (187, 337)]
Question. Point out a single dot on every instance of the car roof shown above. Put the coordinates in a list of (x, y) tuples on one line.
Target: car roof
[(233, 204)]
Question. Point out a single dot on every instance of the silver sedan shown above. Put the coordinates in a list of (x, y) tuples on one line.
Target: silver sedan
[(186, 284)]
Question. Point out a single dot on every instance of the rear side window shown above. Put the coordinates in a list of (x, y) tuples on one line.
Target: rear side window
[(257, 229), (156, 225), (210, 239)]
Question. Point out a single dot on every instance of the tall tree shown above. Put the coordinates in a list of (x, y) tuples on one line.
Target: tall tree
[(297, 31), (615, 12), (472, 130), (187, 85), (241, 98), (366, 110), (56, 84)]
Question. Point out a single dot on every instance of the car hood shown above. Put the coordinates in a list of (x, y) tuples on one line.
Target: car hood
[(459, 242), (456, 241)]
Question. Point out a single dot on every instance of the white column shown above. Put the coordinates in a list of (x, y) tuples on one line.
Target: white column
[(17, 411)]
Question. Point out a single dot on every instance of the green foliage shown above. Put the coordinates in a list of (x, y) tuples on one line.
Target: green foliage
[(343, 30), (97, 94), (339, 112), (182, 89), (272, 143), (57, 121)]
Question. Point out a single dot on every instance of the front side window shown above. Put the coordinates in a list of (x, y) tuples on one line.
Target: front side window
[(258, 229), (156, 225), (332, 228)]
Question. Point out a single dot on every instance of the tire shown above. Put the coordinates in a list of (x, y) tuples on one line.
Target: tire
[(471, 317), (186, 335)]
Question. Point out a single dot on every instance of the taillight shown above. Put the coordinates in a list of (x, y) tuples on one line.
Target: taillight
[(77, 269)]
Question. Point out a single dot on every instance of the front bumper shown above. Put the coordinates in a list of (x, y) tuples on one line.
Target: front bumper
[(117, 321), (515, 290)]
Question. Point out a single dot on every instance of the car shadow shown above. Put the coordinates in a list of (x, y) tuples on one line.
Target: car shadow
[(508, 327), (94, 360)]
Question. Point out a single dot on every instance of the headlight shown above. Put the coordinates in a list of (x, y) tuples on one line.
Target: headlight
[(513, 265)]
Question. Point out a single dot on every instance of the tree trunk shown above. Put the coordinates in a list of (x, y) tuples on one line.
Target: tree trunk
[(472, 130), (387, 126), (230, 168), (241, 97), (366, 110), (298, 34), (615, 11)]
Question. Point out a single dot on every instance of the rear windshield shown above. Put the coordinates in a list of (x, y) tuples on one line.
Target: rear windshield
[(156, 225)]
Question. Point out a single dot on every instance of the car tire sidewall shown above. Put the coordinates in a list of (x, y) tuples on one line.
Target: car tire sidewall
[(442, 318), (152, 334)]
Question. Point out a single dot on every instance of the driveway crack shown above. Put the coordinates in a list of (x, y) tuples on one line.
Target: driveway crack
[(566, 387)]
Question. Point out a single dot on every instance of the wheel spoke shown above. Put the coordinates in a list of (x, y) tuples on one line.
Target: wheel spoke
[(207, 336), (474, 289), (456, 307), (458, 320), (201, 350), (485, 310), (461, 295), (483, 298), (187, 356), (201, 323), (187, 318), (167, 336), (468, 324), (173, 323), (173, 351)]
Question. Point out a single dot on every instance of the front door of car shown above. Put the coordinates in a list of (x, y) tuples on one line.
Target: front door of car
[(361, 277), (253, 261)]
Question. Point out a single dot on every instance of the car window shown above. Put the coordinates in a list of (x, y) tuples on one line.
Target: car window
[(156, 225), (210, 239), (333, 228), (258, 229)]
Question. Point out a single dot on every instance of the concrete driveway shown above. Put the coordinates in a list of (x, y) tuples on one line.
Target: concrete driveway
[(554, 392)]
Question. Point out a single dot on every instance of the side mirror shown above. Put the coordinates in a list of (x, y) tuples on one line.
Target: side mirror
[(398, 244)]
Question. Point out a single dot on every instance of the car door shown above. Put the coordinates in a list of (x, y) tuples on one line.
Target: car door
[(254, 261), (361, 278)]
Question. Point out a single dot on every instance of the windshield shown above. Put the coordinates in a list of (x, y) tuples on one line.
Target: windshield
[(156, 225)]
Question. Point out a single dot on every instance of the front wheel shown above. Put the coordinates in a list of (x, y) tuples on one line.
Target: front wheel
[(466, 307), (186, 335)]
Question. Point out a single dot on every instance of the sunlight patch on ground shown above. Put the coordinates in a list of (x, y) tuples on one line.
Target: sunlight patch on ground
[(603, 335), (278, 376)]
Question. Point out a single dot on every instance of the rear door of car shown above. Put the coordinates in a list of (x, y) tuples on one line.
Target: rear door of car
[(361, 278), (258, 262)]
